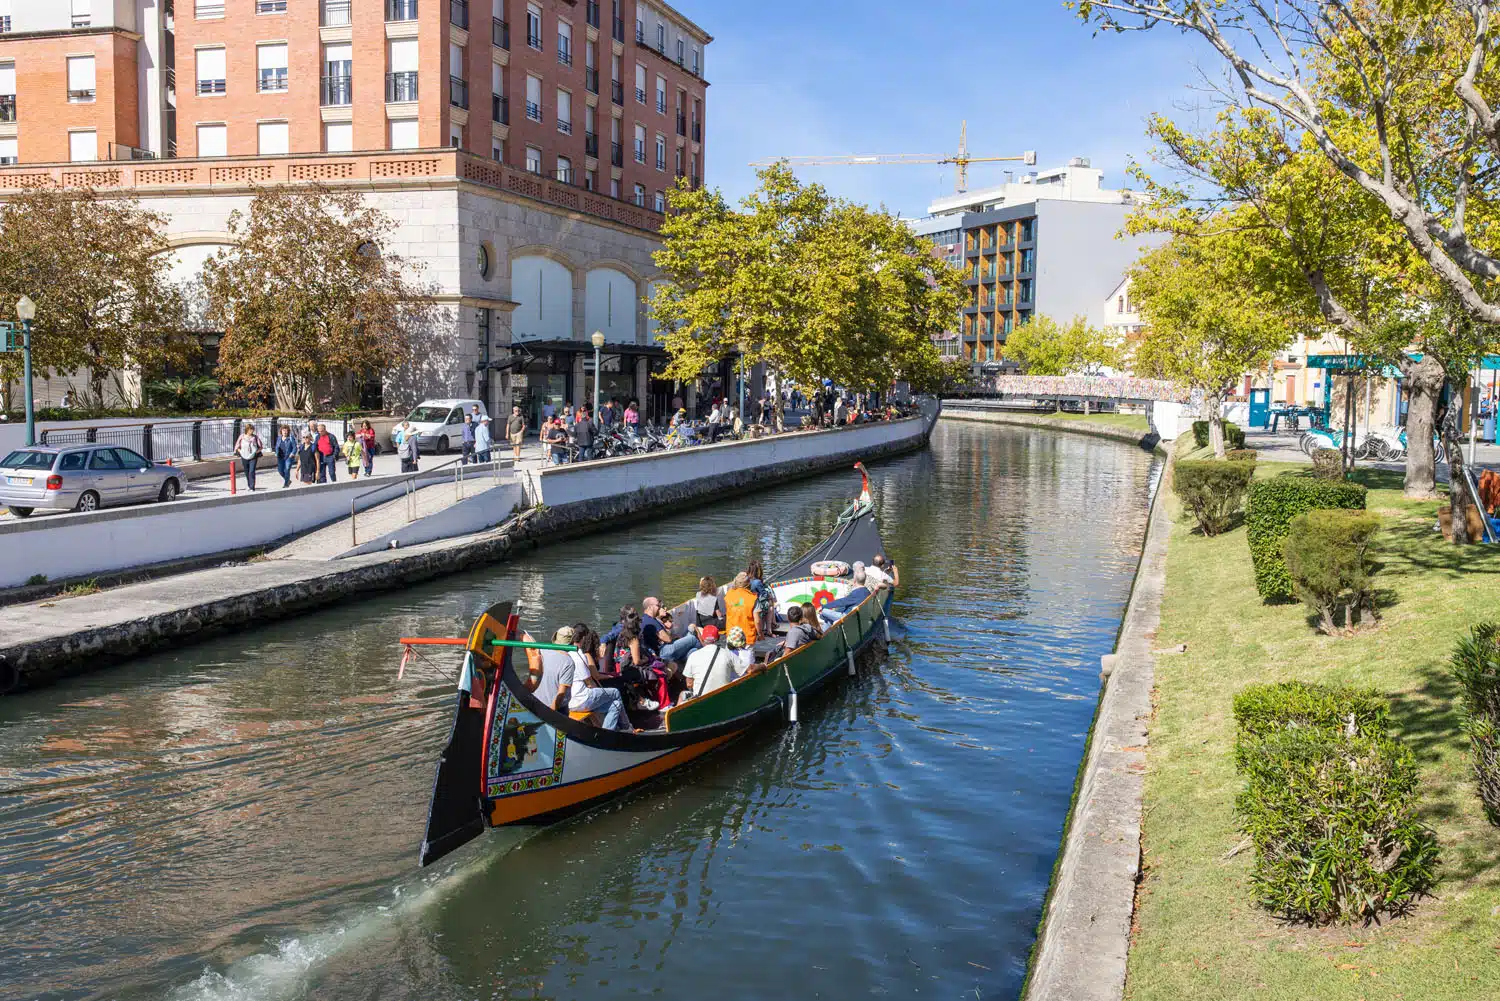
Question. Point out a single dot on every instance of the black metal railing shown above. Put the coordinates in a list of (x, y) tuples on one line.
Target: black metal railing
[(697, 132), (564, 53), (533, 39), (640, 33), (591, 12), (640, 95), (564, 126), (616, 155), (7, 108), (617, 29), (82, 96), (458, 92), (617, 92), (590, 144), (336, 13), (500, 109), (591, 79), (661, 104), (564, 174), (681, 124), (400, 10), (458, 13), (336, 91), (695, 181), (401, 86), (500, 33), (210, 86), (640, 152), (533, 111)]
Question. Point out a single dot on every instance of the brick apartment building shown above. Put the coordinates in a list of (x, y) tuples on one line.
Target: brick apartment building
[(589, 111)]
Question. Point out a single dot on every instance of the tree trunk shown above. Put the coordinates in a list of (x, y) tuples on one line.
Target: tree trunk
[(1424, 383), (780, 419), (1211, 403), (292, 394), (1458, 491)]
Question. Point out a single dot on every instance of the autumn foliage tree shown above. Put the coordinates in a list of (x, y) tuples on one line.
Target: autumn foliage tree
[(98, 269), (309, 298)]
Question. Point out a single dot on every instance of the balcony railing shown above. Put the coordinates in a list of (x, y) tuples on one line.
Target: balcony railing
[(661, 160), (458, 13), (695, 181), (208, 8), (500, 109), (336, 13), (83, 20), (591, 79), (640, 95), (617, 92), (7, 108), (591, 13), (401, 87), (500, 33), (616, 155), (661, 104), (272, 81), (640, 33), (697, 132), (681, 124), (565, 175), (533, 38), (617, 29), (640, 152), (400, 10), (80, 96), (591, 144), (533, 111), (270, 6), (564, 53), (336, 91), (210, 86), (458, 92), (4, 24), (565, 127)]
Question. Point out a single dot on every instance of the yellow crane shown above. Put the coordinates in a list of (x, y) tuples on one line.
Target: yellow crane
[(961, 159)]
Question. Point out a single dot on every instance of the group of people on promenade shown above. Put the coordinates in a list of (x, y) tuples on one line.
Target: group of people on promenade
[(312, 457), (653, 658)]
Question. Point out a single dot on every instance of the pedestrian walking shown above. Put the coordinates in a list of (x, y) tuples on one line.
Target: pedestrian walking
[(715, 418), (352, 454), (307, 459), (482, 440), (328, 453), (408, 452), (468, 441), (248, 447), (369, 448), (515, 432), (633, 417), (286, 455)]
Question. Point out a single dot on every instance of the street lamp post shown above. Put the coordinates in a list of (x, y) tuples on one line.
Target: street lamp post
[(26, 312), (598, 340), (742, 384)]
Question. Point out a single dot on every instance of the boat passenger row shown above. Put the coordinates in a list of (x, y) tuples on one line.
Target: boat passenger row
[(651, 660)]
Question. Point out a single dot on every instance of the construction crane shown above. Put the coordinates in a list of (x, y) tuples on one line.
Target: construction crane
[(961, 160)]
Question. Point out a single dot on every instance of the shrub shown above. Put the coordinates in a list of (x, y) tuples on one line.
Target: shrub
[(1326, 555), (1234, 435), (1476, 665), (1269, 509), (1328, 463), (1212, 490), (1241, 454), (1334, 823), (1261, 710)]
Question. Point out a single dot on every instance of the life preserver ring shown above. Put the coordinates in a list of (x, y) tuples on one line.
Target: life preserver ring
[(830, 568)]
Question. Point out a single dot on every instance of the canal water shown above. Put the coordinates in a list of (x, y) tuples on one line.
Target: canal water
[(240, 819)]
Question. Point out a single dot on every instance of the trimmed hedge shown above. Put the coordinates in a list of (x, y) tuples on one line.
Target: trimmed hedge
[(1328, 463), (1326, 554), (1234, 435), (1476, 665), (1262, 710), (1334, 823), (1241, 454), (1271, 505), (1212, 490)]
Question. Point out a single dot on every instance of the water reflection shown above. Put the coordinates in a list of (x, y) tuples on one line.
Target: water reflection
[(240, 818)]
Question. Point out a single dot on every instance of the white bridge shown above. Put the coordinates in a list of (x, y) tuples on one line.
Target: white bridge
[(1085, 388)]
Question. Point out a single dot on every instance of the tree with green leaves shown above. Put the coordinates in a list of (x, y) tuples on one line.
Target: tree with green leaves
[(99, 271), (309, 297), (1046, 347), (812, 286), (1210, 316)]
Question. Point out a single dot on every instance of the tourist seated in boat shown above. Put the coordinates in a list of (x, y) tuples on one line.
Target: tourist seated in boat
[(643, 675), (834, 610), (586, 693), (709, 667), (656, 635), (810, 619), (744, 656), (797, 634), (739, 608), (882, 572), (708, 607), (551, 680)]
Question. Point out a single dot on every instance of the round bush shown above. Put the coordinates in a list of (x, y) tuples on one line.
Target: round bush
[(1326, 554), (1476, 665), (1212, 490)]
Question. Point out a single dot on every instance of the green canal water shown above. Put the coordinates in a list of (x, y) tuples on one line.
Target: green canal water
[(240, 819)]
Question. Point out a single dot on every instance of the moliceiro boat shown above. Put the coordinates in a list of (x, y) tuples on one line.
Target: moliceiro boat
[(510, 759)]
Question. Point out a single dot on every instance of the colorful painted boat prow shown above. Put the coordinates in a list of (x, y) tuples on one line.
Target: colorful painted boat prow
[(512, 760)]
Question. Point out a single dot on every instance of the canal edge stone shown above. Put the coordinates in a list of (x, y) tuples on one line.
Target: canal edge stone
[(1084, 937)]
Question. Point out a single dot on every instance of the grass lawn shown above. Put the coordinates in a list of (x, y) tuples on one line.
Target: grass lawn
[(1135, 422), (1198, 932)]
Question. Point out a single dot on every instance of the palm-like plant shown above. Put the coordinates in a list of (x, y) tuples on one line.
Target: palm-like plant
[(190, 393)]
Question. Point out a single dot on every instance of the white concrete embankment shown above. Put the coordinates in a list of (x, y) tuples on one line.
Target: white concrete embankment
[(959, 411)]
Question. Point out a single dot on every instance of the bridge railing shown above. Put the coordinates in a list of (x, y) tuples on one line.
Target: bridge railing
[(1097, 387)]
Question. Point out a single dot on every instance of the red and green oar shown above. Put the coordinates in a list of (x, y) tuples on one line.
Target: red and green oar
[(408, 642)]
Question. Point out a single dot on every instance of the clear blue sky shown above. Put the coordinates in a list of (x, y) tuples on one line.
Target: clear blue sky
[(804, 77)]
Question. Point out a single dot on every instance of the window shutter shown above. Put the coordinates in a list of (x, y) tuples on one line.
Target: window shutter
[(404, 55), (210, 64), (80, 74)]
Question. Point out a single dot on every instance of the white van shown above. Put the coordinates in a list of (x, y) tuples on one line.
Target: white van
[(440, 423)]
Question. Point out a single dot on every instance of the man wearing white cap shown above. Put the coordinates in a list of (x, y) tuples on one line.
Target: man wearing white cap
[(483, 440)]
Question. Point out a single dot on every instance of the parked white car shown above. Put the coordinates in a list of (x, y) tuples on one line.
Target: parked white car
[(440, 423)]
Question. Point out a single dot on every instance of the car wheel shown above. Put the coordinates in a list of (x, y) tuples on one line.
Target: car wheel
[(442, 445), (169, 491), (88, 502), (20, 512)]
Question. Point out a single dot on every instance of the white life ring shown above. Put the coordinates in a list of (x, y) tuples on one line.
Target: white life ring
[(830, 568)]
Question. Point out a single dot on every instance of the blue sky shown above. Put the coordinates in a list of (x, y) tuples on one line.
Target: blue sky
[(805, 77)]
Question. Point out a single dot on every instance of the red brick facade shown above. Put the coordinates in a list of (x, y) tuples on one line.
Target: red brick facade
[(44, 114)]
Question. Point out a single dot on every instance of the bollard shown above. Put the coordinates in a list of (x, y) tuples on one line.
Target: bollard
[(233, 479)]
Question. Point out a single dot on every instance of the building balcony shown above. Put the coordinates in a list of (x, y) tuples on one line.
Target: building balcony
[(640, 95), (272, 81), (500, 109), (697, 132), (566, 128), (261, 7), (564, 56), (640, 153), (400, 10), (208, 88), (640, 33), (458, 92), (500, 33), (458, 13), (535, 41), (591, 13), (591, 145), (617, 93), (336, 91), (591, 79), (694, 181), (616, 29), (564, 175), (7, 108), (4, 24), (616, 155), (401, 87), (533, 111), (661, 104), (681, 124), (336, 13)]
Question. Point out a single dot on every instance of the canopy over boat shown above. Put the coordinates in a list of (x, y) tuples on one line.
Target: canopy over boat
[(512, 759)]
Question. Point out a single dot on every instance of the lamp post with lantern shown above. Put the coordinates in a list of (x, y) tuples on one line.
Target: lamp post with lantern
[(598, 339), (26, 312)]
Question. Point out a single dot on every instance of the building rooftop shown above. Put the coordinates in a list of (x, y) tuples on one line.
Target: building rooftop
[(1075, 182)]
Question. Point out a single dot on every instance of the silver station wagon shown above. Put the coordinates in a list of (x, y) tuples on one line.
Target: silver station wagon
[(82, 478)]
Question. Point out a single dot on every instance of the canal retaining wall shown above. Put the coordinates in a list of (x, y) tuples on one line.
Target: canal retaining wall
[(1084, 938), (959, 411), (42, 642)]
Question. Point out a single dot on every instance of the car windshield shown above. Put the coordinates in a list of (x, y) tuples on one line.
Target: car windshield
[(23, 458), (429, 415)]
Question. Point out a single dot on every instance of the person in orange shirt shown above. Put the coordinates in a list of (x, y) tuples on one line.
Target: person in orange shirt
[(739, 608)]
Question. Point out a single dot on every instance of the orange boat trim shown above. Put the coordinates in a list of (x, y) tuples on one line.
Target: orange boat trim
[(514, 808)]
